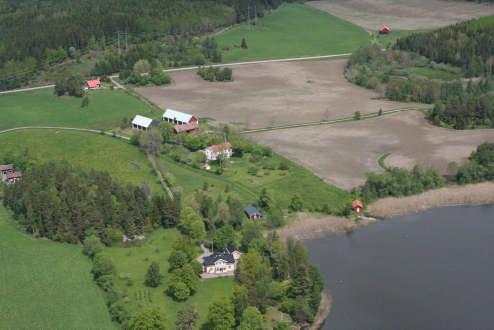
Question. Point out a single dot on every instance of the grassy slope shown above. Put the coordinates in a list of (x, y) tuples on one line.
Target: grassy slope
[(292, 30), (133, 263), (123, 161), (106, 109), (46, 285)]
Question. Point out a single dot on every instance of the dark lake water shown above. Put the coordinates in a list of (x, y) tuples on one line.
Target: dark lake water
[(434, 270)]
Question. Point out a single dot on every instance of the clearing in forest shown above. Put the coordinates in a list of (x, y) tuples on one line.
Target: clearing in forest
[(293, 30), (46, 285)]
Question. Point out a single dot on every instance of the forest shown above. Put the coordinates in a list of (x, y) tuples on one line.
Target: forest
[(37, 34), (65, 203)]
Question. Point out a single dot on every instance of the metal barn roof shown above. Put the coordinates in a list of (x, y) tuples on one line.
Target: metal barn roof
[(180, 116), (142, 121)]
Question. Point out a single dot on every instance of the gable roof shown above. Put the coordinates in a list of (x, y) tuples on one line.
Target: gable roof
[(212, 259), (14, 175), (6, 167), (142, 121), (93, 83), (251, 210), (180, 116), (186, 127), (220, 147), (230, 249), (357, 203)]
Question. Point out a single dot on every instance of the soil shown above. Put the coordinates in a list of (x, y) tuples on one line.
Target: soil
[(403, 14), (478, 194), (311, 226), (271, 94), (343, 153)]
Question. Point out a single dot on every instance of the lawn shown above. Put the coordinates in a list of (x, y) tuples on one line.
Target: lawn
[(124, 162), (435, 74), (42, 108), (292, 30), (131, 266), (46, 285)]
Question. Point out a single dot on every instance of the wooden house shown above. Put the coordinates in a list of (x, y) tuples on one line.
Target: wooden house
[(215, 151)]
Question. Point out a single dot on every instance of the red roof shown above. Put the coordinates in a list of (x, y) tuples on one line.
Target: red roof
[(7, 167), (385, 29), (220, 147), (93, 83), (357, 204), (186, 127), (14, 175)]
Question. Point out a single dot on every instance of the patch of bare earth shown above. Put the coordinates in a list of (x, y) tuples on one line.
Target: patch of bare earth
[(343, 153), (270, 94), (477, 194), (311, 225), (403, 14)]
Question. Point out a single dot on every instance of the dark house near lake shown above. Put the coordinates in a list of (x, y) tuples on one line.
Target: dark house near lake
[(252, 213)]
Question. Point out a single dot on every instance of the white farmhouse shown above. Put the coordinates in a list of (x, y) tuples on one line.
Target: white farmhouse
[(217, 150)]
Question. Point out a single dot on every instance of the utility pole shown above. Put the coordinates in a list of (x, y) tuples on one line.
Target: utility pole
[(126, 40), (118, 41)]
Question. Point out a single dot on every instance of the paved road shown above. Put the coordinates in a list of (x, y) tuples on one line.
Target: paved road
[(291, 59)]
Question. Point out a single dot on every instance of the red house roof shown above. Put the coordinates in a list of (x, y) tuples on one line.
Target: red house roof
[(220, 147), (385, 29), (186, 127), (93, 83), (14, 175), (8, 167), (357, 204)]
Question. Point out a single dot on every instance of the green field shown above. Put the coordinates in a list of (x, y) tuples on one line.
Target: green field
[(41, 108), (124, 162), (46, 285), (132, 263), (292, 30)]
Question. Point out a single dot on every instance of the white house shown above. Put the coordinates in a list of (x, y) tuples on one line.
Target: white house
[(222, 263), (179, 118), (215, 151), (141, 123)]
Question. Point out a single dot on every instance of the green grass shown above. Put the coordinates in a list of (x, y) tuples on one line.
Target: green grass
[(290, 31), (41, 108), (124, 162), (435, 74), (385, 40), (133, 263), (46, 285), (382, 161)]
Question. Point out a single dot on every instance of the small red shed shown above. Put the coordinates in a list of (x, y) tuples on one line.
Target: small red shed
[(93, 84), (357, 206), (384, 29)]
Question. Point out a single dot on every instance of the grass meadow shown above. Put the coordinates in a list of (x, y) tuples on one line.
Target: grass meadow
[(131, 265), (125, 162), (42, 108), (290, 31), (46, 285)]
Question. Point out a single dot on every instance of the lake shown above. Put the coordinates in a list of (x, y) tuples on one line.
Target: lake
[(433, 270)]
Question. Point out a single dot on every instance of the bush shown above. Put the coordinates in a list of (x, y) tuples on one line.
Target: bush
[(102, 265), (91, 246), (178, 291)]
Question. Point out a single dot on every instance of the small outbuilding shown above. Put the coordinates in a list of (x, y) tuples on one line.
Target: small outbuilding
[(384, 29), (141, 123), (6, 169), (252, 213), (215, 151), (93, 84), (357, 206)]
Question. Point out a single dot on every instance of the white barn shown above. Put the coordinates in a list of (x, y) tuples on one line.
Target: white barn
[(179, 118), (141, 123)]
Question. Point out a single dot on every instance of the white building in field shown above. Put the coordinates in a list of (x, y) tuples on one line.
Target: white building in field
[(213, 152), (141, 123)]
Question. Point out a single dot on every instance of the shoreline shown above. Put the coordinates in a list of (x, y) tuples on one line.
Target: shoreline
[(472, 194), (309, 226)]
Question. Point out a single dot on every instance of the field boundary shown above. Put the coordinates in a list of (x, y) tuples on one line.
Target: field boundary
[(330, 122)]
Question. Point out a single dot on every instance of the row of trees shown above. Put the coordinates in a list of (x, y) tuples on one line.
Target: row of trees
[(65, 203), (400, 182), (215, 74)]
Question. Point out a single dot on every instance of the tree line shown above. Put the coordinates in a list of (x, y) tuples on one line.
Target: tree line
[(469, 45), (397, 182)]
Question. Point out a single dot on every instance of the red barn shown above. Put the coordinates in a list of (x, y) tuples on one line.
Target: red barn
[(357, 206), (384, 29), (93, 84)]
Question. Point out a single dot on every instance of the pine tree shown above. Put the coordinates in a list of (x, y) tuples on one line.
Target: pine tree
[(153, 276)]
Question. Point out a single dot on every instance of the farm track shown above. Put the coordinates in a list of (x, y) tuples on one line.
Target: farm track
[(118, 85), (329, 122)]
